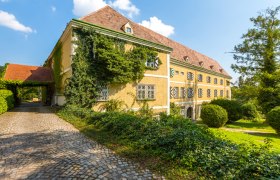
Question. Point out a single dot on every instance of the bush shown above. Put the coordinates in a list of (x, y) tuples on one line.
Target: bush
[(3, 105), (214, 115), (250, 112), (232, 107), (9, 97), (187, 145), (112, 105), (273, 119)]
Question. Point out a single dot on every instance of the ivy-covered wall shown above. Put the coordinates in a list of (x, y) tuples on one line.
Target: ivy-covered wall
[(100, 60)]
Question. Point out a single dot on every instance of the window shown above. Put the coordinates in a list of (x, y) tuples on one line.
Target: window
[(176, 72), (200, 93), (228, 83), (174, 92), (128, 30), (152, 62), (221, 93), (208, 92), (104, 94), (199, 78), (208, 79), (221, 82), (190, 92), (227, 94), (215, 93), (182, 73), (190, 76), (215, 81), (145, 91), (183, 92)]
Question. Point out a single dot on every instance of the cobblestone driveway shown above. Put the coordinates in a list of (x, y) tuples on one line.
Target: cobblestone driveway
[(36, 144)]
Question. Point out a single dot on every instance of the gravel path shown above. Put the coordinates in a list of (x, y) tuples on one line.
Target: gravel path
[(36, 144)]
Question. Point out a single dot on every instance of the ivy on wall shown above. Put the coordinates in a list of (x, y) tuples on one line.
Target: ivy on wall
[(100, 60), (57, 57)]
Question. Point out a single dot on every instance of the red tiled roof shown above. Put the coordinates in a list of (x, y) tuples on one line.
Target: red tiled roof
[(28, 73), (108, 18)]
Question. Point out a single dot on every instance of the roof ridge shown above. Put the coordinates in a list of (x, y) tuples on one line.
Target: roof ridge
[(106, 6)]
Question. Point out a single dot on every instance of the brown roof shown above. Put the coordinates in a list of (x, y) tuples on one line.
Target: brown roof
[(28, 73), (109, 18)]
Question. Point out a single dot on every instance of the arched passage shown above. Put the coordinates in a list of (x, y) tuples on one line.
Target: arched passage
[(190, 112)]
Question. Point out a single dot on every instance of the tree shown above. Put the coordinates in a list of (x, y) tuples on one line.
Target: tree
[(258, 57)]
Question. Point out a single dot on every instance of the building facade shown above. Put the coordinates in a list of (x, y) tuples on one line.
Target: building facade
[(185, 77)]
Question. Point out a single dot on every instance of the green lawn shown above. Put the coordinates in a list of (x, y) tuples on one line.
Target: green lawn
[(239, 132)]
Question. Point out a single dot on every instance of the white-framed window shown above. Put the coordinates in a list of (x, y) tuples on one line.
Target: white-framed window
[(152, 62), (128, 30), (221, 82), (215, 93), (208, 92), (199, 78), (200, 92), (183, 92), (190, 76), (104, 94), (221, 93), (215, 81), (145, 92), (228, 83), (208, 79), (174, 92), (190, 92)]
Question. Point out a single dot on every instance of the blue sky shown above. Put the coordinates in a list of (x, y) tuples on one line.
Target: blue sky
[(29, 29)]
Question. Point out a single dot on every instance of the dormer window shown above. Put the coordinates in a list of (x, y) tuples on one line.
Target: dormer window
[(201, 63), (186, 58), (221, 70), (127, 28), (211, 67)]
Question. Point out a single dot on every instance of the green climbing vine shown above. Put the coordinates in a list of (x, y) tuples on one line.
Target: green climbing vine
[(100, 60), (57, 57)]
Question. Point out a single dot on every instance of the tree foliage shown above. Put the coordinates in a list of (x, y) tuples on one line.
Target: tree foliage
[(258, 57)]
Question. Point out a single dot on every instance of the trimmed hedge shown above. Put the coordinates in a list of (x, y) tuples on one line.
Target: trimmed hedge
[(273, 118), (9, 97), (232, 107), (250, 112), (3, 105), (214, 115)]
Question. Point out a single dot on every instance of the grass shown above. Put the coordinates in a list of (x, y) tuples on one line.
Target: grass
[(250, 125), (248, 132)]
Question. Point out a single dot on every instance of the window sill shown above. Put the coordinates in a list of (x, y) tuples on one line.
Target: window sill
[(145, 99)]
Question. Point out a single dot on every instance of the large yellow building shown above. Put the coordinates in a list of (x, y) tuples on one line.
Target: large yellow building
[(185, 76)]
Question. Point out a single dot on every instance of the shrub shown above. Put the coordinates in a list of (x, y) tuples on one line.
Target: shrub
[(232, 107), (112, 105), (273, 118), (3, 105), (9, 97), (188, 146), (214, 115), (250, 112)]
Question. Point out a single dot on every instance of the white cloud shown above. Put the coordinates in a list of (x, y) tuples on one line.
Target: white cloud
[(4, 1), (127, 6), (10, 21), (84, 7), (158, 26), (53, 8)]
